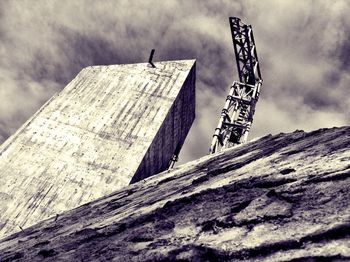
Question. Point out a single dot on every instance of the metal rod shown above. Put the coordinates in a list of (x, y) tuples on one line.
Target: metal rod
[(151, 58)]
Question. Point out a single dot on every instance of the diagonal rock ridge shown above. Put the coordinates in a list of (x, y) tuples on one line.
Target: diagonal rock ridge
[(278, 198)]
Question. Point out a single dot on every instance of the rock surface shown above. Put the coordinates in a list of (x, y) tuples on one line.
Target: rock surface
[(279, 198)]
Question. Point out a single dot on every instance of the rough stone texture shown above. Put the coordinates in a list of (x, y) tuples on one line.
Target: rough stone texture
[(280, 198), (110, 125)]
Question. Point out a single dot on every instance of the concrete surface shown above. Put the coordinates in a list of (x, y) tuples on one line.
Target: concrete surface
[(110, 125)]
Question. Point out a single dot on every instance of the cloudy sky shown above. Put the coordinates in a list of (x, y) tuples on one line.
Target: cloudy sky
[(303, 47)]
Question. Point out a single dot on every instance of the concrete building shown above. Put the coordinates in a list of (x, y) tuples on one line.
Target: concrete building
[(110, 126)]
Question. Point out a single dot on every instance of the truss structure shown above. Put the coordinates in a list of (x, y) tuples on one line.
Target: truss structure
[(237, 115)]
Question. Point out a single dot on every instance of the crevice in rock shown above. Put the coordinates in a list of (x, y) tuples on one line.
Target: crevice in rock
[(287, 171), (45, 253), (43, 243), (330, 177)]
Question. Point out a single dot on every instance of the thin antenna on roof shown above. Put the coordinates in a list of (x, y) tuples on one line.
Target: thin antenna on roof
[(151, 58)]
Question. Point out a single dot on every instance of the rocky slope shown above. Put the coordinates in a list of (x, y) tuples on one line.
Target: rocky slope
[(279, 198)]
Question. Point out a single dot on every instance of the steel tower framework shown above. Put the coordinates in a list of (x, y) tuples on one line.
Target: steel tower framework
[(237, 115)]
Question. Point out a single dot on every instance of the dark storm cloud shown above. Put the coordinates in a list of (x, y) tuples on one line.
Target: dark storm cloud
[(303, 50), (342, 54)]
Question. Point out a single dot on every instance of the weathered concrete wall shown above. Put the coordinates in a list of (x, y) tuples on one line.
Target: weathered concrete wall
[(91, 138), (280, 198)]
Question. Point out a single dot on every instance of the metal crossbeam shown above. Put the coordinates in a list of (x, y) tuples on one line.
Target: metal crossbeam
[(245, 52), (237, 115)]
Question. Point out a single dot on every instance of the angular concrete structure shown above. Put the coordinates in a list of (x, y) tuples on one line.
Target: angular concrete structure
[(110, 126)]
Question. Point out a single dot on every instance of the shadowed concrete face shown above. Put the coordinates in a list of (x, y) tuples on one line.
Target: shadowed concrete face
[(111, 125)]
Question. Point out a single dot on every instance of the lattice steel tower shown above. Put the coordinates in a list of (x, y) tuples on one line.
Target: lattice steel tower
[(237, 115)]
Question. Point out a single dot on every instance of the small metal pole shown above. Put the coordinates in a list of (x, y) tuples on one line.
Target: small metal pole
[(151, 58), (173, 160)]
